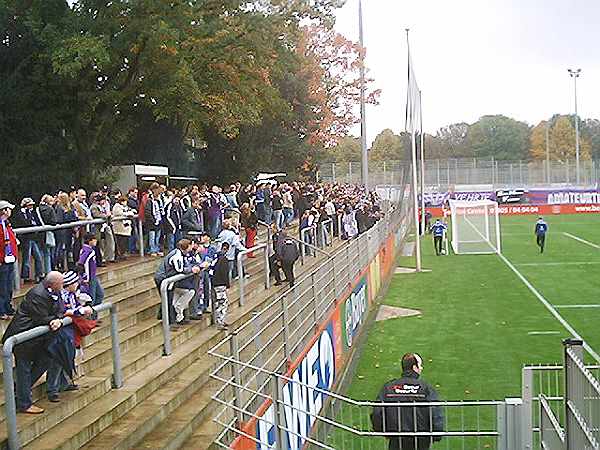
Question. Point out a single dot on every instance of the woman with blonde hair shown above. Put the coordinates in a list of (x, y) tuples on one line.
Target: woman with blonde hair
[(65, 213)]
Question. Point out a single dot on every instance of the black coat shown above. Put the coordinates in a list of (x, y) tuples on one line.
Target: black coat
[(47, 214), (38, 308), (25, 218), (220, 271), (189, 221), (173, 215), (408, 389)]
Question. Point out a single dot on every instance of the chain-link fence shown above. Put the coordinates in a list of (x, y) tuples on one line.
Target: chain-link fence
[(474, 171)]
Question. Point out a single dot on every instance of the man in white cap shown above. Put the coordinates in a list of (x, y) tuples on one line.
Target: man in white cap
[(8, 258)]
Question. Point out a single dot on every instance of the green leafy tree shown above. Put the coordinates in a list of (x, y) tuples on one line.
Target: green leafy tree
[(388, 146), (499, 137)]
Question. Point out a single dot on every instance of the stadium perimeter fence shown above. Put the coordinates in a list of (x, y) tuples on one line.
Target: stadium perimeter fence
[(441, 173), (559, 410)]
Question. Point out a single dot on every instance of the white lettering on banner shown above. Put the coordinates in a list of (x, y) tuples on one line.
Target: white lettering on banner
[(356, 305), (301, 403), (561, 198)]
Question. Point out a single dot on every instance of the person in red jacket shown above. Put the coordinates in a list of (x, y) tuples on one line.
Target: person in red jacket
[(8, 259)]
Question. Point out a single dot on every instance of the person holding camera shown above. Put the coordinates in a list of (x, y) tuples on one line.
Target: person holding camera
[(8, 258)]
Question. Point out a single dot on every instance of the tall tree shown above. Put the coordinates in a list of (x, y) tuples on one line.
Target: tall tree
[(388, 146), (590, 128), (499, 137)]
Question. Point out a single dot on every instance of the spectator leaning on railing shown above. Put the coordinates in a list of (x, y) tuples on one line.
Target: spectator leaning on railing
[(8, 259), (40, 307)]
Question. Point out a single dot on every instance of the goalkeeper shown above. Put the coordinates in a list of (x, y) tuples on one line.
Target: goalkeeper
[(438, 229), (541, 228)]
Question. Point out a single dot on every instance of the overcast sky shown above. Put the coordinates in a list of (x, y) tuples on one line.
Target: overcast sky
[(478, 57)]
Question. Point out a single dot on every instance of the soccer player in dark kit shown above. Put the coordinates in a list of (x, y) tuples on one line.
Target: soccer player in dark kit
[(541, 228)]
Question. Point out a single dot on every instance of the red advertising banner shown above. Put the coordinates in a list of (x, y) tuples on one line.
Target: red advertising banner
[(542, 210)]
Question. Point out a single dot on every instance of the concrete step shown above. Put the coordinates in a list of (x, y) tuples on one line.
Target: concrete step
[(110, 275), (203, 436), (192, 384), (95, 417), (141, 379), (181, 424)]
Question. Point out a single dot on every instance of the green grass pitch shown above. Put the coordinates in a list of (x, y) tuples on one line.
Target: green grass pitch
[(480, 323)]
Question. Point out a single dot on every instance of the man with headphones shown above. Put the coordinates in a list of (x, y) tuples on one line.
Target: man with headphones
[(408, 419)]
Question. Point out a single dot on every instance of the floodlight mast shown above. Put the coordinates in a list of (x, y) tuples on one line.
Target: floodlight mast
[(574, 73)]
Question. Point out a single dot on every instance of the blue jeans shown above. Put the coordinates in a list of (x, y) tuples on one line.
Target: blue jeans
[(278, 218), (28, 372), (154, 241), (7, 283), (56, 380), (96, 292), (260, 211), (288, 214), (132, 243), (31, 247), (215, 226), (268, 215), (47, 254), (172, 239)]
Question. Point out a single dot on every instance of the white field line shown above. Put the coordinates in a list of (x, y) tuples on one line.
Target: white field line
[(582, 263), (549, 307), (546, 303), (532, 333), (591, 244), (575, 306)]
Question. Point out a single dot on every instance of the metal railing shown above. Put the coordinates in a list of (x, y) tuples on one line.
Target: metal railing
[(78, 224), (279, 331), (548, 401), (240, 268), (7, 366), (285, 421)]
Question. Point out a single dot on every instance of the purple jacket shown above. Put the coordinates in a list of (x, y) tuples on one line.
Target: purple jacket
[(87, 258)]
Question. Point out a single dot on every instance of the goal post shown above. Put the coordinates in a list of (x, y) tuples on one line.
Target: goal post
[(475, 227)]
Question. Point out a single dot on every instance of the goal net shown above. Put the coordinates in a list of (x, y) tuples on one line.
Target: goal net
[(475, 227)]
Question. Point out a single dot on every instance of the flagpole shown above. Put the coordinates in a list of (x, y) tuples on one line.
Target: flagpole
[(363, 112), (414, 178), (422, 167)]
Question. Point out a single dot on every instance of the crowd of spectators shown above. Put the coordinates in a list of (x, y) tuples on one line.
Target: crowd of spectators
[(200, 229)]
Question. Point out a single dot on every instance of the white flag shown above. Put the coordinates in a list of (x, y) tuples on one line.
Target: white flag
[(413, 100)]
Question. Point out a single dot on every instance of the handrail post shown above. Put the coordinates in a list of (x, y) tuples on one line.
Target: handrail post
[(116, 350), (9, 395), (237, 378), (240, 268), (315, 302), (286, 326), (267, 273), (164, 297), (259, 360), (141, 236), (527, 416), (277, 410)]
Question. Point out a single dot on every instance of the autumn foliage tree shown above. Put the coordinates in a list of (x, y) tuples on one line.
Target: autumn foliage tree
[(331, 66), (561, 141)]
